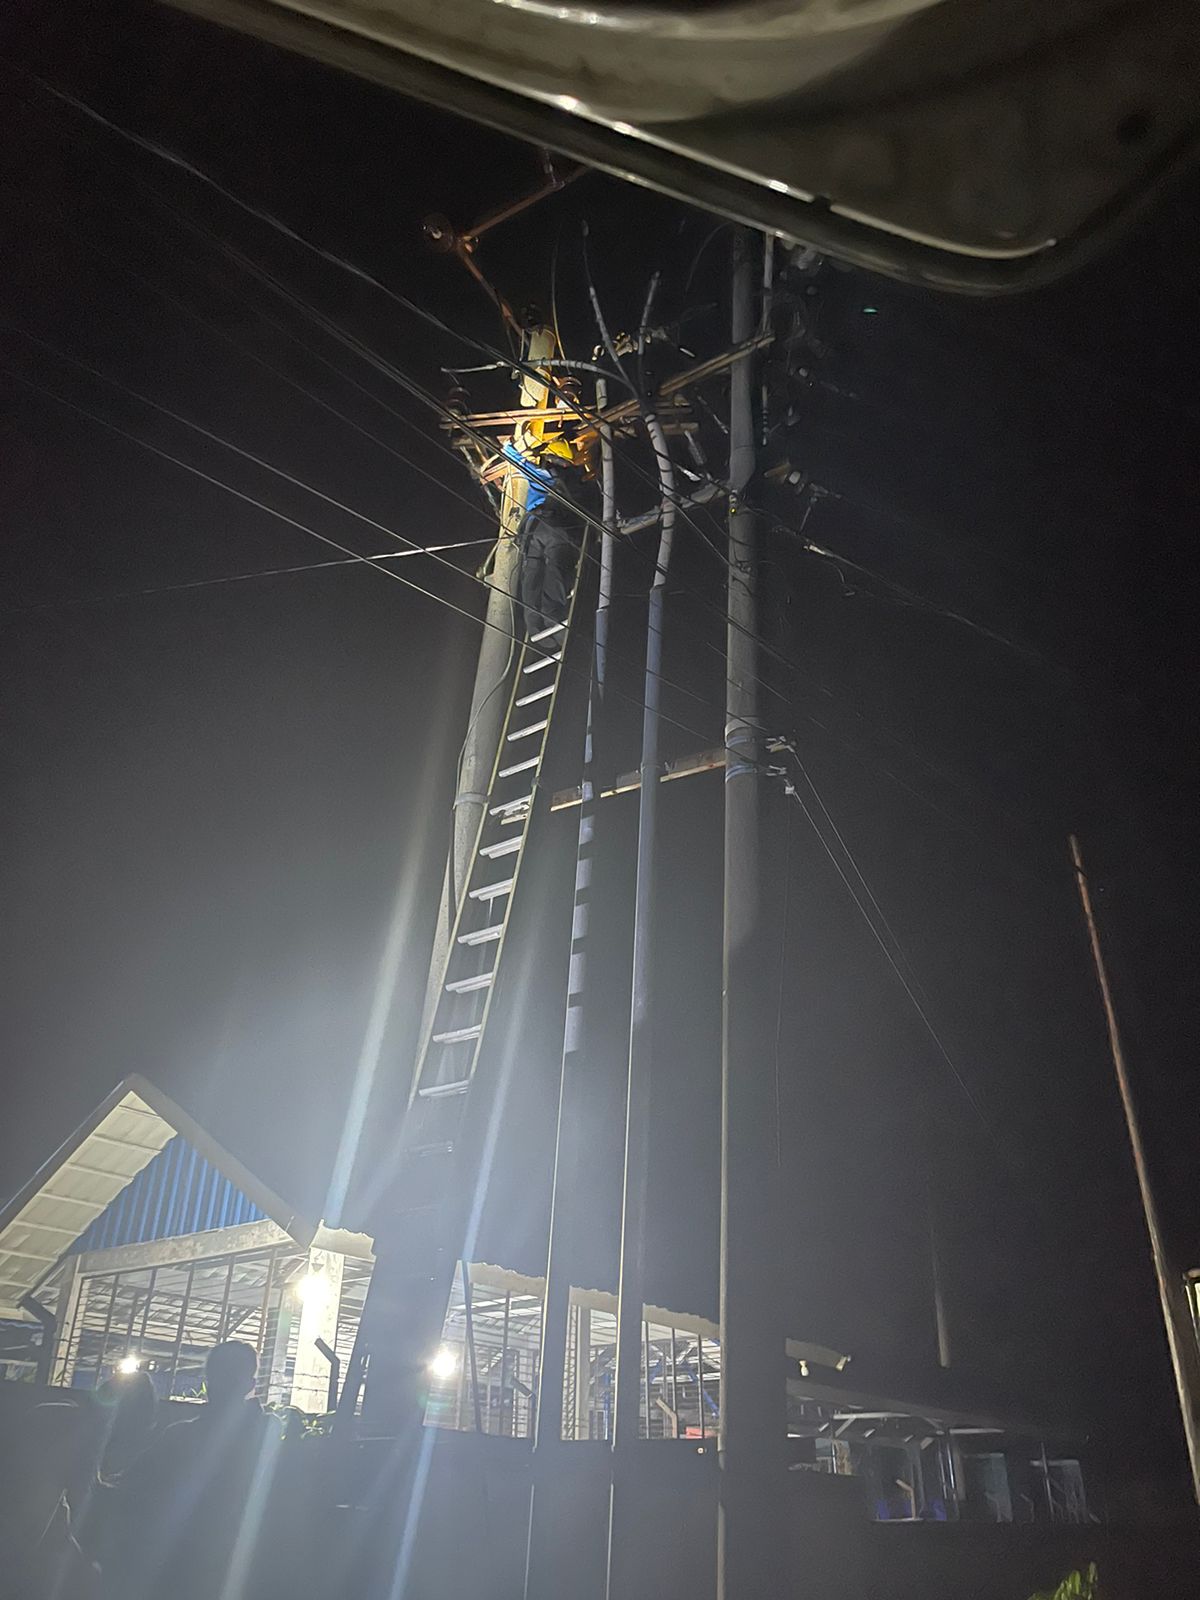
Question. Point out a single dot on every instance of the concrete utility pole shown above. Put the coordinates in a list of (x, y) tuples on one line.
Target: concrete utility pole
[(547, 1565), (1181, 1339), (750, 1530), (624, 1514), (489, 701)]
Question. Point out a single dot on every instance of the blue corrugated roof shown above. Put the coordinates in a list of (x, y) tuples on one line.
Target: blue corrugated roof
[(178, 1192)]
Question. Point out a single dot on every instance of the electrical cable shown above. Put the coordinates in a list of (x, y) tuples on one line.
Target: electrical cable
[(370, 562), (227, 444), (897, 947), (423, 313), (285, 377), (231, 577), (172, 158), (380, 527), (305, 309), (921, 1011)]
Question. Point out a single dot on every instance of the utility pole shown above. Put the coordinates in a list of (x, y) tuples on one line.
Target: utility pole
[(623, 1569), (1181, 1338), (750, 1530), (544, 1554), (488, 700)]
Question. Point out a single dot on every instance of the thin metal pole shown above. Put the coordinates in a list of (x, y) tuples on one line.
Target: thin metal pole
[(752, 1419), (674, 1381), (184, 1304), (146, 1310), (700, 1383), (622, 1572), (505, 1381), (469, 1319), (646, 1370), (112, 1306), (225, 1301), (941, 1321), (268, 1284), (1181, 1336)]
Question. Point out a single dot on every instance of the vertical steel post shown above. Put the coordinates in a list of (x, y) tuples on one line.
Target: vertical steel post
[(505, 1379), (469, 1328), (225, 1301), (1181, 1339), (624, 1565), (556, 1306), (146, 1310), (112, 1306), (184, 1306), (940, 1319), (752, 1428), (564, 1222)]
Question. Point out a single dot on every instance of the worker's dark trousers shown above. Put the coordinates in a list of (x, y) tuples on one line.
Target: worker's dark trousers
[(547, 573)]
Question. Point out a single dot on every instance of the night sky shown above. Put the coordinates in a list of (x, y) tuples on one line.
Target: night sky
[(218, 793)]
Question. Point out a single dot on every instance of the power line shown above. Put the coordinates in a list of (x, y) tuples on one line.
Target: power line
[(235, 577), (365, 353), (920, 1009), (246, 455), (285, 377), (429, 317), (414, 308), (319, 494), (370, 562), (897, 947)]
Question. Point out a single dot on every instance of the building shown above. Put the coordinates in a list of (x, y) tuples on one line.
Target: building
[(144, 1241)]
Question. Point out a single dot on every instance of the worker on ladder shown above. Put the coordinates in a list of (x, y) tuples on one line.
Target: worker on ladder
[(549, 534)]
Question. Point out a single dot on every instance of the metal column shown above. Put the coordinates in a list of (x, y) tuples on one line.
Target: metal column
[(563, 1219), (752, 1426), (1181, 1340), (624, 1511)]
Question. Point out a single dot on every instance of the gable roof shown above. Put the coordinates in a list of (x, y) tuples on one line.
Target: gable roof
[(62, 1201)]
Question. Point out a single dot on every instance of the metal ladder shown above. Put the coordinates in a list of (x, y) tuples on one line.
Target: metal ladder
[(410, 1287)]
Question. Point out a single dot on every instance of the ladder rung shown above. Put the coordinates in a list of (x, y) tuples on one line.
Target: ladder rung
[(492, 891), (534, 727), (510, 805), (543, 693), (520, 766), (443, 1091), (506, 847), (542, 661), (481, 980), (481, 935), (547, 633), (459, 1035)]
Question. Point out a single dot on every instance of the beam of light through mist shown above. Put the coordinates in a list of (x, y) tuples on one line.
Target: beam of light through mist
[(512, 1046), (430, 832)]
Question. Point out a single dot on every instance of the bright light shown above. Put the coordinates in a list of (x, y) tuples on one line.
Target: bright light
[(313, 1289), (444, 1364), (128, 1364)]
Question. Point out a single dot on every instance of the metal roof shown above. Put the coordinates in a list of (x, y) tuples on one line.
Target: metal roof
[(178, 1192), (47, 1218)]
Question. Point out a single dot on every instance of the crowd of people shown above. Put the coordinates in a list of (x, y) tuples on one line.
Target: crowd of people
[(109, 1500)]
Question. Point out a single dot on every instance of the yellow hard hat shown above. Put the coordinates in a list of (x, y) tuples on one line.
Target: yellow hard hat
[(556, 447)]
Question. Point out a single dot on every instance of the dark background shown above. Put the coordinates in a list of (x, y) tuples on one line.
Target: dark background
[(218, 794)]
